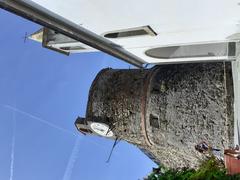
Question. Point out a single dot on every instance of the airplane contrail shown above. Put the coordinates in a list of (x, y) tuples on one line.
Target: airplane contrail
[(72, 160), (13, 147), (38, 119), (49, 124)]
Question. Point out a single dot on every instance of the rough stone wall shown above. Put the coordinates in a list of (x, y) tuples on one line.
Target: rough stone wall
[(115, 99), (185, 104)]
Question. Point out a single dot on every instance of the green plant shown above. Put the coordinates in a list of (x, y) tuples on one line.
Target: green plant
[(211, 169)]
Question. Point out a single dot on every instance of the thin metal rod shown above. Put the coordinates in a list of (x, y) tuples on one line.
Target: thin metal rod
[(44, 17), (114, 145)]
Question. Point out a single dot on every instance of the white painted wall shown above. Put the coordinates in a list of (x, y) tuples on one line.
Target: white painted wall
[(177, 22), (236, 80)]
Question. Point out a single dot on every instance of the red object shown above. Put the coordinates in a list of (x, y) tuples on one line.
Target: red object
[(232, 163)]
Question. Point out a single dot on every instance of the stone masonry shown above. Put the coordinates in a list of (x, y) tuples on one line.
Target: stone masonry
[(166, 110)]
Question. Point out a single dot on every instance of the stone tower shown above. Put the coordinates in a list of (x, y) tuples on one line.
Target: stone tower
[(165, 110)]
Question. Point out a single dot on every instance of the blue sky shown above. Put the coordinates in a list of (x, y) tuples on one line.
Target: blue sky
[(41, 94)]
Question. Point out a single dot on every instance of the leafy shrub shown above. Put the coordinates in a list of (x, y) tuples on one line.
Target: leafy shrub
[(211, 169)]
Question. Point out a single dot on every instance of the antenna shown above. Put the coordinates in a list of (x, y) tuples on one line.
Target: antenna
[(117, 140), (25, 37)]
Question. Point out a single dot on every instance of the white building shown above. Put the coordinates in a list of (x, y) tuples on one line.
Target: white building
[(141, 32)]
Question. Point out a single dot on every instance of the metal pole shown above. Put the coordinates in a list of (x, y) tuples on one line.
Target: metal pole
[(41, 15)]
